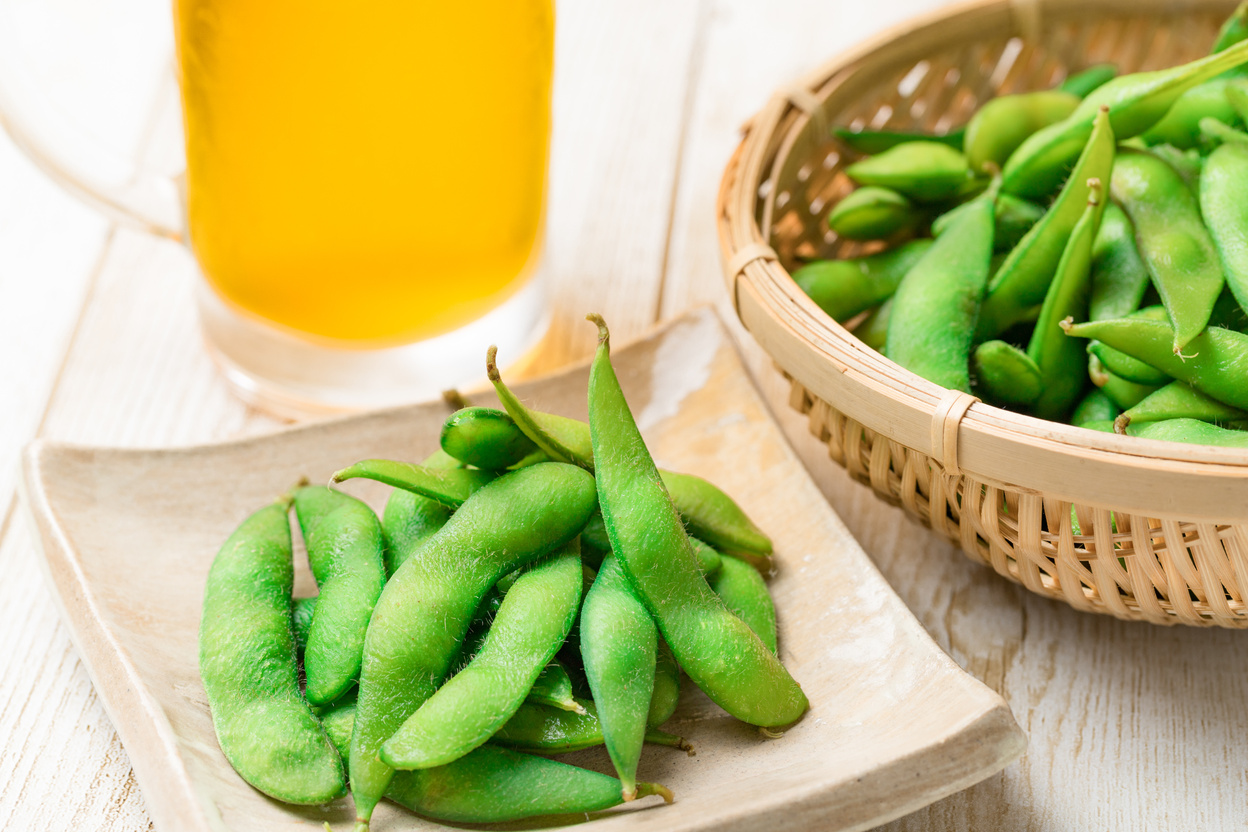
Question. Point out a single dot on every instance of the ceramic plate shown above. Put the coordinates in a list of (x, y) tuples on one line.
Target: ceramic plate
[(127, 538)]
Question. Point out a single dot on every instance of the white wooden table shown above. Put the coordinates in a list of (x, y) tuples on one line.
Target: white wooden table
[(1131, 726)]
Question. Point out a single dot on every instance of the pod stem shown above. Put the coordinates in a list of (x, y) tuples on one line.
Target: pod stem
[(604, 337), (1120, 424), (647, 789)]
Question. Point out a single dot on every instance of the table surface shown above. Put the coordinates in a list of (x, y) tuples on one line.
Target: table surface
[(1129, 724)]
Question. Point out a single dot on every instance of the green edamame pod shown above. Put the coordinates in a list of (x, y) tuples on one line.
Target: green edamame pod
[(1002, 124), (666, 687), (1005, 375), (553, 687), (1234, 29), (709, 561), (247, 663), (1011, 220), (706, 510), (1173, 242), (873, 330), (1119, 277), (424, 611), (1083, 83), (871, 142), (872, 213), (1135, 103), (1058, 360), (1214, 133), (1217, 365), (745, 593), (1023, 279), (528, 629), (1095, 407), (1121, 364), (1188, 164), (409, 519), (1191, 431), (1222, 204), (843, 288), (448, 486), (301, 621), (1180, 126), (343, 539), (595, 535), (1124, 394), (555, 731), (926, 171), (494, 785), (485, 438), (1179, 400), (1102, 425), (718, 651), (1237, 95), (935, 307), (619, 644)]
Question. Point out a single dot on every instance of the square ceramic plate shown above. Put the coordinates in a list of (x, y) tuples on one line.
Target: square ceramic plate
[(128, 536)]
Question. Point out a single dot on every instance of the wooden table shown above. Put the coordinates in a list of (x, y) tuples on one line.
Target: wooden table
[(1130, 725)]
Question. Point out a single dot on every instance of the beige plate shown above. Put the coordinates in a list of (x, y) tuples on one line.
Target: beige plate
[(127, 538)]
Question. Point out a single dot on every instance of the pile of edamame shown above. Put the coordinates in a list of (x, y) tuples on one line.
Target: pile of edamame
[(1079, 254), (536, 586)]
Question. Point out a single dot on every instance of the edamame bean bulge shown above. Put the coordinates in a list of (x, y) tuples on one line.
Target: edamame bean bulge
[(1095, 407), (1172, 239), (527, 630), (1223, 184), (1180, 126), (1005, 375), (619, 645), (844, 288), (716, 649), (922, 170), (554, 731), (247, 663), (1179, 400), (666, 686), (344, 544), (1190, 431), (745, 594), (936, 304), (1012, 218), (1119, 276), (872, 213), (425, 608), (870, 142), (1003, 123), (485, 438)]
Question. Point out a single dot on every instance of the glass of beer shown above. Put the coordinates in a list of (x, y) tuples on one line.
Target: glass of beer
[(364, 191)]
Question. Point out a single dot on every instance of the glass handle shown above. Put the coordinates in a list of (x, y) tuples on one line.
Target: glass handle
[(82, 165)]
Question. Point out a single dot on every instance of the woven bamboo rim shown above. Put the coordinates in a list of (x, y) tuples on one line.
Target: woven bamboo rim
[(1164, 527)]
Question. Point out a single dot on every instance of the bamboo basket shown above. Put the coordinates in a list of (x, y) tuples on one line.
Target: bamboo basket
[(1164, 526)]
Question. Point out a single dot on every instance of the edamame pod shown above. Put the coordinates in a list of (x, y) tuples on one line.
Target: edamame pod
[(1191, 431), (745, 594), (619, 643), (553, 687), (716, 649), (1179, 400), (873, 331), (301, 621), (1173, 242), (424, 611), (1002, 124), (666, 686), (247, 663), (530, 625), (871, 142), (1058, 360), (1223, 184), (343, 539), (1023, 279), (1180, 126), (1095, 407), (1234, 29), (843, 288), (494, 785), (1083, 83), (935, 307), (1005, 375), (553, 731), (485, 438), (450, 487), (922, 170), (1119, 277), (1217, 363), (1122, 393), (1134, 102), (706, 510), (409, 519), (872, 213)]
